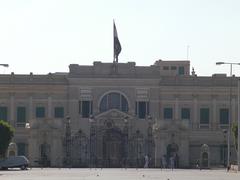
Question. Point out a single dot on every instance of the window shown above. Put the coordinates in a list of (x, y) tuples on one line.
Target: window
[(21, 114), (173, 67), (85, 108), (167, 113), (224, 115), (165, 68), (59, 112), (181, 70), (185, 113), (40, 112), (21, 149), (142, 109), (204, 116), (114, 101), (3, 113)]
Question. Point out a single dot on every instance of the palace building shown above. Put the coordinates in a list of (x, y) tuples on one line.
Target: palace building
[(114, 114)]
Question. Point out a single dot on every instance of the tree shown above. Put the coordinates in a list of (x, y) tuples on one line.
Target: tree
[(235, 134), (6, 134)]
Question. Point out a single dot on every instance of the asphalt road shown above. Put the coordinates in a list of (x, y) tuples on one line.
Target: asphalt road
[(117, 174)]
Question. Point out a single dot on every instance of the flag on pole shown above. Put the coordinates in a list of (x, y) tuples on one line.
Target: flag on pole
[(116, 43)]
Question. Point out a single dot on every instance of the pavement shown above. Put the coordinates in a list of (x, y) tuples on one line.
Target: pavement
[(117, 174)]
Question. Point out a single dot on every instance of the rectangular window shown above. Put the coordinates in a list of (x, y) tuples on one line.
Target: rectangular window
[(204, 116), (224, 115), (142, 109), (185, 113), (165, 68), (21, 114), (59, 112), (40, 112), (173, 67), (85, 108), (21, 149), (181, 70), (3, 113), (167, 113)]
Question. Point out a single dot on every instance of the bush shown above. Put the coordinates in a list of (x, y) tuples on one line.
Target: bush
[(6, 134)]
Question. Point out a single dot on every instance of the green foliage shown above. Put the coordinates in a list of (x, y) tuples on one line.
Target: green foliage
[(6, 134), (235, 134)]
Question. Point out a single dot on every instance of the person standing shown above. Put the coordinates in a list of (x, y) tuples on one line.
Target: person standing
[(172, 162), (164, 162), (146, 158)]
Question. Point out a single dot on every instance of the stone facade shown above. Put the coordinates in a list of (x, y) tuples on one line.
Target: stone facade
[(114, 114)]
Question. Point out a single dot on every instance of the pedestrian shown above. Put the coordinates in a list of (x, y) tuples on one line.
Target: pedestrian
[(164, 162), (172, 162), (146, 161), (197, 164)]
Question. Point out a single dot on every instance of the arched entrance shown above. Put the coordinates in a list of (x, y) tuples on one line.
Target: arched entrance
[(113, 148), (172, 152), (204, 161)]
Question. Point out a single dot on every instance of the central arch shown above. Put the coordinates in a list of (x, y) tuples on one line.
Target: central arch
[(113, 148)]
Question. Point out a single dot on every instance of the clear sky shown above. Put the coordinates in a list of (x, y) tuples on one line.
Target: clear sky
[(44, 36)]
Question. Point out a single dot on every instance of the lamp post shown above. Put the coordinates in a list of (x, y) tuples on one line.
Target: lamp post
[(238, 150), (230, 116)]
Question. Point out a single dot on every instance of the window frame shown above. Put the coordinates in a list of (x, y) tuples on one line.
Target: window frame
[(4, 115), (40, 112), (56, 113), (202, 121), (165, 113)]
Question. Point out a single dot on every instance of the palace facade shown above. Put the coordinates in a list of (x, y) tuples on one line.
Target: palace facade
[(114, 114)]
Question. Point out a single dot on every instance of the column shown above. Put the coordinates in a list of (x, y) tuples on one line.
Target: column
[(30, 101), (49, 106), (195, 112), (176, 108), (214, 123), (12, 109), (233, 113)]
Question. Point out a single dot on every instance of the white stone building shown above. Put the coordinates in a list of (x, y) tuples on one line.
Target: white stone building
[(113, 114)]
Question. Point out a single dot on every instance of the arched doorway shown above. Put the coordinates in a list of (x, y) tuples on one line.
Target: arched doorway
[(172, 152), (204, 161), (113, 148)]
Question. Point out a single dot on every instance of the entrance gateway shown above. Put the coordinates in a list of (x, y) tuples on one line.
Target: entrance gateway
[(113, 148), (111, 143)]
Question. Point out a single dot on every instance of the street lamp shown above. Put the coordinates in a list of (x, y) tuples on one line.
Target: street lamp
[(230, 116), (238, 150)]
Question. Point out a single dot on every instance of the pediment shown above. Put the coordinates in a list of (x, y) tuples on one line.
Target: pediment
[(114, 116)]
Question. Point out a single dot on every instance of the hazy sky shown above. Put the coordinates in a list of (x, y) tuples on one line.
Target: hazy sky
[(47, 35)]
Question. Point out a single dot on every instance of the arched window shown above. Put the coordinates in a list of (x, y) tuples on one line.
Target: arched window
[(114, 101)]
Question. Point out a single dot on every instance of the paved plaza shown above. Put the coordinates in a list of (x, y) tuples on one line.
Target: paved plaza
[(117, 174)]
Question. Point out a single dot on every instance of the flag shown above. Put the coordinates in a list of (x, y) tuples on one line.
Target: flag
[(116, 43)]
